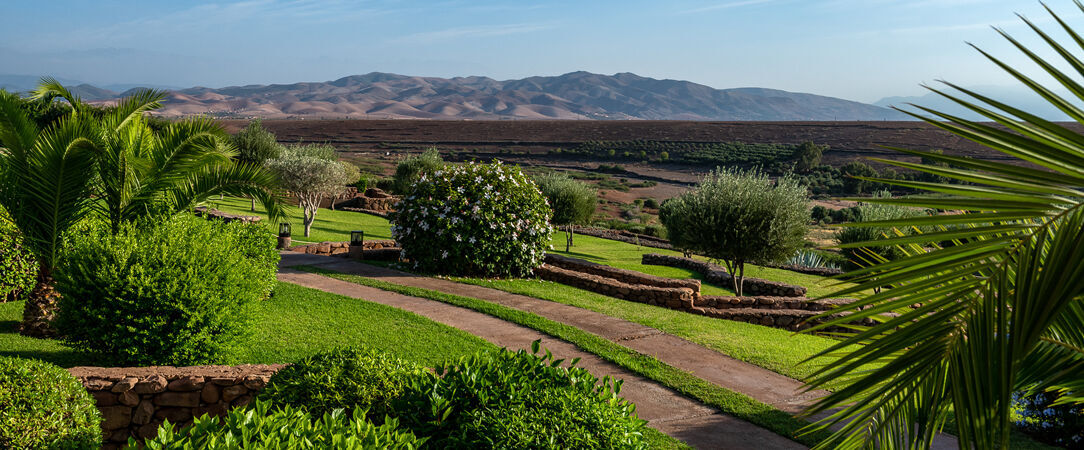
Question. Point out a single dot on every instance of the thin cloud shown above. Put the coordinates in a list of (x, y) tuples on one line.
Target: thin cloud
[(471, 32), (727, 5)]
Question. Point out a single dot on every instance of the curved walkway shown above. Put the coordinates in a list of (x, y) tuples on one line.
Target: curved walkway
[(667, 411)]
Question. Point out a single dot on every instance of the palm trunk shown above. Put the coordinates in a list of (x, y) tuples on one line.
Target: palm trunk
[(41, 307), (253, 207)]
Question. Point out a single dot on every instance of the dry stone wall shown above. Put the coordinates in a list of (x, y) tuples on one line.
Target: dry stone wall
[(669, 297), (622, 275), (372, 250), (135, 401), (625, 236), (211, 213), (718, 275)]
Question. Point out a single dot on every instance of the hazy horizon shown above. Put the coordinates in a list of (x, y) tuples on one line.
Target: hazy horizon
[(855, 50)]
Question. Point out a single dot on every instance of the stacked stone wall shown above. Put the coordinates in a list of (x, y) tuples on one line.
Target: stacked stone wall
[(343, 248), (715, 274), (622, 275), (135, 401), (669, 297), (211, 213)]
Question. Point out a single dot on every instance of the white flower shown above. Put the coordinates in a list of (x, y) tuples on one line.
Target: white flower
[(444, 254), (471, 240), (458, 238)]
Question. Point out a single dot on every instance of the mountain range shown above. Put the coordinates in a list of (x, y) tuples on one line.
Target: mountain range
[(576, 95)]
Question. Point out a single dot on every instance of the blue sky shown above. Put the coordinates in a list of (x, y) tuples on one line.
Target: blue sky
[(855, 49)]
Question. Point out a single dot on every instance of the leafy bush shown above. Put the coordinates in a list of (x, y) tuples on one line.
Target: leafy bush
[(18, 267), (503, 399), (255, 144), (174, 293), (348, 379), (410, 169), (737, 217), (474, 219), (1060, 425), (868, 212), (43, 406), (286, 427)]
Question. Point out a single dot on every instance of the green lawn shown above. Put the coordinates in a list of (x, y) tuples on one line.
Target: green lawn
[(336, 226), (771, 348), (294, 323)]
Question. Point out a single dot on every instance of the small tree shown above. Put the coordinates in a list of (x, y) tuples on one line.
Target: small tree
[(256, 145), (853, 185), (410, 169), (808, 156), (739, 216), (572, 202), (311, 179)]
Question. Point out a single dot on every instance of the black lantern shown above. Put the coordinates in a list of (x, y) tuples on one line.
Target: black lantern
[(284, 229), (357, 238)]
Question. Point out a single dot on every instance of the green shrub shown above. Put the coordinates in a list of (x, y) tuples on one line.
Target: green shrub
[(868, 212), (18, 267), (651, 203), (348, 379), (262, 427), (503, 399), (474, 219), (43, 406), (410, 169), (572, 202), (172, 293)]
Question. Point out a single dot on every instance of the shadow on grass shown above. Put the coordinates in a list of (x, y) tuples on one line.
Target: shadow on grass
[(16, 345)]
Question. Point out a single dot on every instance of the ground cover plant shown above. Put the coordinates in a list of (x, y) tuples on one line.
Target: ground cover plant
[(44, 406), (481, 219), (1002, 308), (173, 293), (267, 426)]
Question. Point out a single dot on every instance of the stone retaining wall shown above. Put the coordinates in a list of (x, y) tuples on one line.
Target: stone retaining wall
[(670, 297), (717, 275), (211, 213), (622, 275), (341, 248), (135, 401), (374, 212), (626, 236)]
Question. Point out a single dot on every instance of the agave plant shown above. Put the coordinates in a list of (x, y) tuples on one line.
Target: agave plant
[(808, 258), (1000, 310), (110, 164)]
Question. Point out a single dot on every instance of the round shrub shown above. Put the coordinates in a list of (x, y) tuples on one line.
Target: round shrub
[(170, 293), (43, 406), (474, 219), (347, 378), (264, 427), (18, 268), (502, 399)]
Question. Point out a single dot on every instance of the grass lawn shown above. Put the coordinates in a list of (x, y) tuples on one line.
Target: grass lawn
[(771, 348), (336, 226), (295, 323)]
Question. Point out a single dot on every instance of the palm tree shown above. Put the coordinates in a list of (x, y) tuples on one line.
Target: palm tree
[(998, 311), (115, 166)]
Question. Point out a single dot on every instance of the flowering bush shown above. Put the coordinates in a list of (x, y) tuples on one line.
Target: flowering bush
[(474, 219)]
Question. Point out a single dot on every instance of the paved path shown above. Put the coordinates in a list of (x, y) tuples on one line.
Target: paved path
[(782, 392), (667, 411)]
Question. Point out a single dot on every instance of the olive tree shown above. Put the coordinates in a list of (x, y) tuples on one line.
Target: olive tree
[(256, 145), (311, 177), (737, 216), (410, 169), (572, 202)]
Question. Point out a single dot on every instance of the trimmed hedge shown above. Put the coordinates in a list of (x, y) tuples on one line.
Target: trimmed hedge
[(282, 428), (43, 406), (172, 293), (348, 378)]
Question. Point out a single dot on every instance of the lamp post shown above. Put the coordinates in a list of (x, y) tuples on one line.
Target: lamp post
[(357, 244), (284, 236)]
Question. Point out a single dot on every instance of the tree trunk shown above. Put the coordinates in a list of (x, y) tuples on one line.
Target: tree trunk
[(739, 278), (310, 217), (253, 207), (568, 237), (41, 307)]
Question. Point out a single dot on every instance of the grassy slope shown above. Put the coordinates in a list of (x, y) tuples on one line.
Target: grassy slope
[(329, 225)]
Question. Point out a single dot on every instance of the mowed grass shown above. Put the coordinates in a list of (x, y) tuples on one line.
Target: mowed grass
[(294, 323), (777, 350), (336, 226)]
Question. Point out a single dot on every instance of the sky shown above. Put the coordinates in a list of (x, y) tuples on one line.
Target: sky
[(860, 50)]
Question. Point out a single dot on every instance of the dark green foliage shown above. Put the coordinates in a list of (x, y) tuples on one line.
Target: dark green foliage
[(867, 212), (174, 293), (820, 214), (854, 185), (1060, 425), (737, 217), (651, 203), (519, 400), (255, 144), (44, 407), (473, 219), (348, 378), (409, 170), (18, 267), (714, 153), (807, 156), (264, 427)]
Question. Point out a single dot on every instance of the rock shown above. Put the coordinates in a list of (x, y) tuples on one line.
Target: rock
[(185, 384), (149, 430), (242, 401), (210, 393), (128, 398), (116, 417), (143, 412), (185, 399), (152, 385), (174, 415), (125, 385), (217, 409), (104, 398), (231, 392), (254, 382)]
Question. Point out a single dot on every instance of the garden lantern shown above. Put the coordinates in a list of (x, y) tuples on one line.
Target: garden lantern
[(284, 236), (357, 238), (284, 229)]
